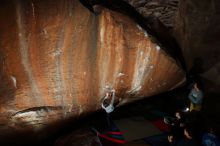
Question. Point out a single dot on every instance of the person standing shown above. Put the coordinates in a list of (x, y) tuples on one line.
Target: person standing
[(195, 97), (187, 140), (177, 124)]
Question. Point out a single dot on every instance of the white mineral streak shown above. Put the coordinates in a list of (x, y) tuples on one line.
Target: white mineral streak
[(24, 53), (142, 30), (105, 56), (120, 74), (14, 81), (158, 48), (141, 70)]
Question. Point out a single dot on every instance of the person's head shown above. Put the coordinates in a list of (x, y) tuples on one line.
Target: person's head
[(107, 99), (170, 138), (188, 132), (198, 85), (179, 115), (195, 86), (210, 130), (106, 102)]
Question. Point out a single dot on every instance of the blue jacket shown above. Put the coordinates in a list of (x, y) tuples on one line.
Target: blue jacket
[(196, 96)]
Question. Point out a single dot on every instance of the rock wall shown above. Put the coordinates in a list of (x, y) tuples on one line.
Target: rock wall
[(58, 60), (197, 29), (164, 10)]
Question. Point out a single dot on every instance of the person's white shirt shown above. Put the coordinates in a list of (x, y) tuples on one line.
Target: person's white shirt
[(109, 108)]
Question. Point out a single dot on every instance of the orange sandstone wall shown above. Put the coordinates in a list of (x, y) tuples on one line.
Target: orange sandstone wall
[(57, 60)]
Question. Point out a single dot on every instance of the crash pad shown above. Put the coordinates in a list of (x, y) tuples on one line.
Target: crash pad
[(134, 128)]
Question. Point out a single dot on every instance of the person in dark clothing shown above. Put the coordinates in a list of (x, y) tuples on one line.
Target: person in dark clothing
[(176, 125), (210, 138), (188, 139)]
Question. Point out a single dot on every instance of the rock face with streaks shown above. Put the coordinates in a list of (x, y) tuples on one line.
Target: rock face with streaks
[(58, 60)]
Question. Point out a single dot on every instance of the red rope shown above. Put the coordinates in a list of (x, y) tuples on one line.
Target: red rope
[(114, 132), (112, 139)]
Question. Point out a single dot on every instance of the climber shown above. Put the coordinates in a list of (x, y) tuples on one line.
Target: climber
[(108, 104)]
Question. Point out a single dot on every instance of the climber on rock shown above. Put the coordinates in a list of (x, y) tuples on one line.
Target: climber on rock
[(108, 104)]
